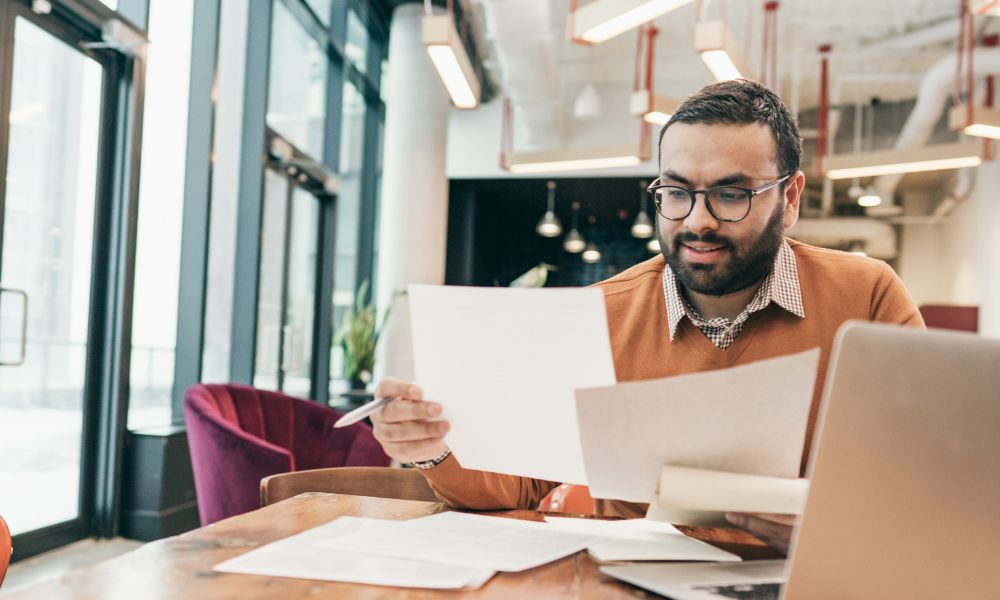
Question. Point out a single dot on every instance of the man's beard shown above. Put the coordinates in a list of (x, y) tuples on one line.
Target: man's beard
[(745, 267)]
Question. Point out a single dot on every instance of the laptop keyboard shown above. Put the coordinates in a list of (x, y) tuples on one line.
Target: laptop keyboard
[(743, 591)]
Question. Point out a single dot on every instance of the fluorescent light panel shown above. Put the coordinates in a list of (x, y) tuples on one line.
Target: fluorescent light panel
[(574, 159), (913, 160), (653, 108), (445, 48), (602, 20), (985, 121), (719, 51)]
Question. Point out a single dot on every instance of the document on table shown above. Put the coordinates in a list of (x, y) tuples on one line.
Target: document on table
[(748, 419), (304, 556), (504, 363), (466, 540), (641, 539)]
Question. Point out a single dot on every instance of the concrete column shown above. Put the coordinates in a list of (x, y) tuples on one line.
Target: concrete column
[(414, 204)]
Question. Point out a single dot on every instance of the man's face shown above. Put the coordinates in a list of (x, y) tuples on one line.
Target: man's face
[(715, 257)]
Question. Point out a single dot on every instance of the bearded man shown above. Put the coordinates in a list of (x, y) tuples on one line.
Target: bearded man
[(729, 289)]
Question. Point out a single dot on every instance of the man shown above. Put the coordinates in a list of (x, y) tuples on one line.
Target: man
[(729, 288)]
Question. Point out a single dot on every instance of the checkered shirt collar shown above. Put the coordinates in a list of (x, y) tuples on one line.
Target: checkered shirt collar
[(781, 287)]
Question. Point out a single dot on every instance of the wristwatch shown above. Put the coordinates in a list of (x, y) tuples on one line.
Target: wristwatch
[(423, 465)]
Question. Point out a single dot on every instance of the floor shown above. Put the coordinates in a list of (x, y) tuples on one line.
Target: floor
[(54, 563)]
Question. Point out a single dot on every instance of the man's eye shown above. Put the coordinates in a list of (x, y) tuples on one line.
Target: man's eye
[(729, 195), (676, 194)]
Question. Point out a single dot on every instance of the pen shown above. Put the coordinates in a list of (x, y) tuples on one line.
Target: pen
[(361, 412)]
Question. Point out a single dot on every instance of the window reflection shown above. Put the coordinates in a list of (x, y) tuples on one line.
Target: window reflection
[(297, 84)]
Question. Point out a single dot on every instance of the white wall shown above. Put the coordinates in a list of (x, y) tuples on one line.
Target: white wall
[(958, 261)]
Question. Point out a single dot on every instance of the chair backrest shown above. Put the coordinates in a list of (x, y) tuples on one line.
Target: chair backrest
[(380, 482), (946, 316), (238, 435), (5, 549)]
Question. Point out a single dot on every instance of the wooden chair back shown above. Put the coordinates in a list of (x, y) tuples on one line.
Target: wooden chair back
[(380, 482), (5, 549)]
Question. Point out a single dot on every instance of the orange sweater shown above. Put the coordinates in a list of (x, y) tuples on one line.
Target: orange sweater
[(836, 286)]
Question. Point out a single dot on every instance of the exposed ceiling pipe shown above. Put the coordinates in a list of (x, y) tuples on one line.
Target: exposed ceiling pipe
[(959, 194), (521, 34), (929, 35), (935, 90)]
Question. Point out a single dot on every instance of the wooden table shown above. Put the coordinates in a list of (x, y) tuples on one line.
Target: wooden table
[(181, 567)]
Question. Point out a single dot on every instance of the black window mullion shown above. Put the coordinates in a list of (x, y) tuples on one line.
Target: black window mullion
[(246, 274)]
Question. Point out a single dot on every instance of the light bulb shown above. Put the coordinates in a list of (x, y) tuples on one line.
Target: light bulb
[(549, 226), (591, 254), (643, 226), (869, 198), (574, 242), (653, 246)]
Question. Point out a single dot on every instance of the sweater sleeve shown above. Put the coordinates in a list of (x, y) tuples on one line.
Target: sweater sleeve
[(891, 303), (480, 490)]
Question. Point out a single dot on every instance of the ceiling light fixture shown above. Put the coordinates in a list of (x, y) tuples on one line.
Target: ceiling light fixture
[(936, 157), (642, 228), (574, 242), (549, 225), (447, 52), (574, 159), (653, 108), (719, 50), (985, 121), (588, 103), (602, 20), (653, 245), (591, 255), (869, 198)]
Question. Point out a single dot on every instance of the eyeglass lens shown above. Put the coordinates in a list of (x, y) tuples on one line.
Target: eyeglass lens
[(730, 204)]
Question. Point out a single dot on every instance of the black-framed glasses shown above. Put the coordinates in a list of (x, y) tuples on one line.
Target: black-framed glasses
[(725, 203)]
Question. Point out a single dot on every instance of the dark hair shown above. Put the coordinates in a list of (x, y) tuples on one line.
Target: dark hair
[(742, 102)]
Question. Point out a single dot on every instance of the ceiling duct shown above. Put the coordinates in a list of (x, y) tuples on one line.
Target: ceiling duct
[(935, 90), (521, 34), (878, 237)]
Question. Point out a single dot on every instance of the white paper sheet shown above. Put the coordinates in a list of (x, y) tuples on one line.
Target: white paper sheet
[(641, 539), (684, 488), (474, 541), (304, 556), (747, 419), (504, 363)]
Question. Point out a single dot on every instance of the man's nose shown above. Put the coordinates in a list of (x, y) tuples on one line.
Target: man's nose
[(701, 220)]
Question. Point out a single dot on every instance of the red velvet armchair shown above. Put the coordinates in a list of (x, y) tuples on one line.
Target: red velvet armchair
[(238, 435)]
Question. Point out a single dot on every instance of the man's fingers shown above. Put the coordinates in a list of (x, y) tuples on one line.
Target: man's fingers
[(398, 387), (401, 409), (409, 431)]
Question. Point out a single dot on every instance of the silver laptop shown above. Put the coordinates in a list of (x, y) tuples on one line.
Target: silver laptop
[(905, 494)]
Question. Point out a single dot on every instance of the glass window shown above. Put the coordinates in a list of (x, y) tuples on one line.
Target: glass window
[(322, 8), (48, 219), (112, 4), (357, 42), (229, 89), (161, 204), (352, 138), (297, 84)]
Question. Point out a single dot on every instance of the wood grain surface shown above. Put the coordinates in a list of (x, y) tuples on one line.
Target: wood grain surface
[(180, 567)]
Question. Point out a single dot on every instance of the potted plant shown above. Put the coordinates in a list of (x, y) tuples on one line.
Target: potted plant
[(358, 337)]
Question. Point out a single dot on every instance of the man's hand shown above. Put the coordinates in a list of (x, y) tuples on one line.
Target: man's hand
[(776, 530), (402, 426)]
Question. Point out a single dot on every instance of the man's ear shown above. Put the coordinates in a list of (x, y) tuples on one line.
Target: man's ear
[(793, 193)]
